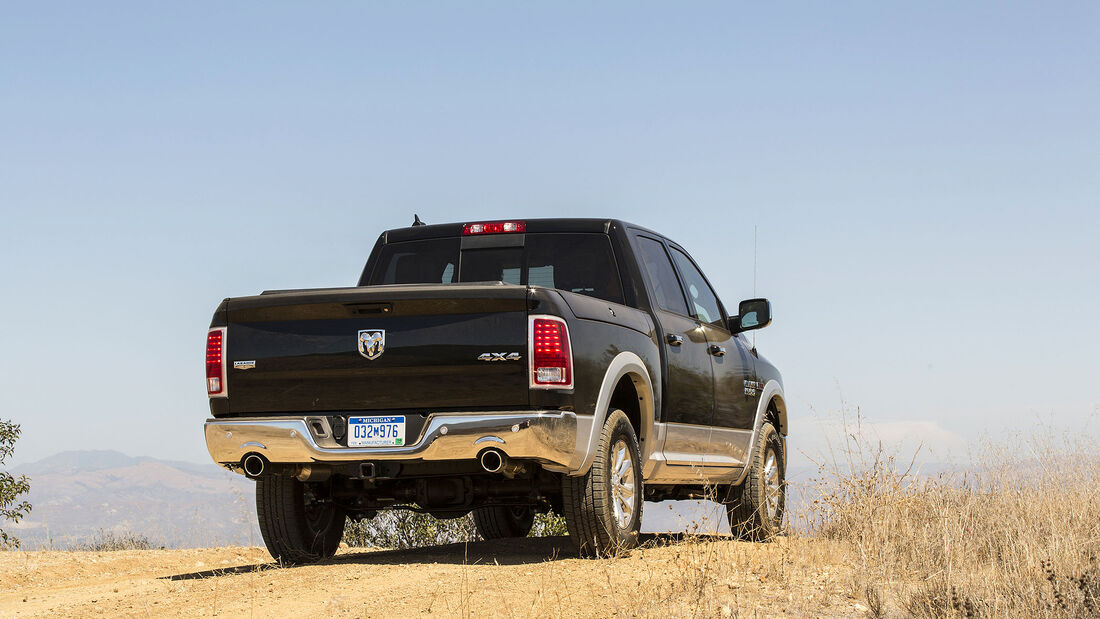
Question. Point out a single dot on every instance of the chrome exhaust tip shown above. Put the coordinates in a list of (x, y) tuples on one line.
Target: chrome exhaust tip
[(254, 465), (492, 460)]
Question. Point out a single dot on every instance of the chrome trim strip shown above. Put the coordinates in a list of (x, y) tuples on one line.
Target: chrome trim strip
[(718, 463), (664, 474), (549, 438), (733, 443), (688, 444)]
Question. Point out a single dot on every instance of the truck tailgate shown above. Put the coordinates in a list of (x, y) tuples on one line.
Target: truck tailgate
[(423, 349)]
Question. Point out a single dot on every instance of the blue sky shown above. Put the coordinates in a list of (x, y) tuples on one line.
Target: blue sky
[(924, 179)]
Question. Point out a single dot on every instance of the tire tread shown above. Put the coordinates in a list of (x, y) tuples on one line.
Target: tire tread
[(744, 504), (280, 513), (587, 513)]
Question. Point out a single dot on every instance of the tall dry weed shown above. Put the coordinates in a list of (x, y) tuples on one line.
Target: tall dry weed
[(1016, 533)]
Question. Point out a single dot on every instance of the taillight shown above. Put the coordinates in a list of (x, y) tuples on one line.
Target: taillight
[(494, 227), (551, 357), (215, 362)]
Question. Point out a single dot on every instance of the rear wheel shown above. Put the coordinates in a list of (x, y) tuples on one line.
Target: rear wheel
[(298, 521), (499, 521), (603, 508), (755, 508)]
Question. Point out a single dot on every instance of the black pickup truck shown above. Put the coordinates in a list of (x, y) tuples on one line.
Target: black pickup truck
[(504, 368)]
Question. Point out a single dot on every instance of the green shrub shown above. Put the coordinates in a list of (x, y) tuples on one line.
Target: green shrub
[(11, 488), (401, 529)]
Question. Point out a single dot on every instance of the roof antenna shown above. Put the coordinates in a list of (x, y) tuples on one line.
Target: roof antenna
[(416, 220), (754, 269)]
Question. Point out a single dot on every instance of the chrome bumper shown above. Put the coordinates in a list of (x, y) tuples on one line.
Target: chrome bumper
[(548, 437)]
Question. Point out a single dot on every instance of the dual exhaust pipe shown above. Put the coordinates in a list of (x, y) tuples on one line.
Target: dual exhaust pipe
[(255, 465), (494, 460)]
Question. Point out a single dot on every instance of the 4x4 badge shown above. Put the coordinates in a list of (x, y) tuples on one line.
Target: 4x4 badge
[(498, 356), (372, 343)]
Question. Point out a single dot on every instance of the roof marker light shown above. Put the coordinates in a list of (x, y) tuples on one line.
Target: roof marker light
[(494, 227)]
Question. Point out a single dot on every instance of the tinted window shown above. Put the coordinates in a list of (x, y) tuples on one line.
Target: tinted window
[(581, 263), (417, 262), (501, 264), (703, 302), (661, 275)]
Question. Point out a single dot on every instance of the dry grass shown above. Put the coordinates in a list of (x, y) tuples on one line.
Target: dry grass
[(1017, 533), (113, 541)]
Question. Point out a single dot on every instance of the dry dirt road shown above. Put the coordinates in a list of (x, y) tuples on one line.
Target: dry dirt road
[(535, 577)]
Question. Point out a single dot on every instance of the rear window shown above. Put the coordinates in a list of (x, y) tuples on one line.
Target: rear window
[(418, 262), (581, 263)]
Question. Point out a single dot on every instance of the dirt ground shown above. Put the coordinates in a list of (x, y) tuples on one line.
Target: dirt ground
[(532, 577)]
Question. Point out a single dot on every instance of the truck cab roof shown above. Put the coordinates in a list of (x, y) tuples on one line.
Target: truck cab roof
[(430, 231)]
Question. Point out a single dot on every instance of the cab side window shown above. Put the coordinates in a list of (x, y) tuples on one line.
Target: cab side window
[(666, 287), (704, 305)]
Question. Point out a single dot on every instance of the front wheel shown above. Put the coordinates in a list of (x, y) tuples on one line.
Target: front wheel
[(299, 522), (603, 508), (755, 508)]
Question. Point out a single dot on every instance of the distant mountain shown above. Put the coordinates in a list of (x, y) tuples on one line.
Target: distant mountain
[(77, 495), (99, 459)]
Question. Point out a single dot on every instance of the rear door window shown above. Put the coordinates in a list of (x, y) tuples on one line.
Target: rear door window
[(666, 287)]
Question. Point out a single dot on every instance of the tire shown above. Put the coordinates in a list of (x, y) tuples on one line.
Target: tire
[(297, 523), (500, 521), (755, 508), (603, 508)]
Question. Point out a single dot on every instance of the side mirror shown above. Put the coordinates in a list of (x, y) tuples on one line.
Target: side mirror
[(751, 314)]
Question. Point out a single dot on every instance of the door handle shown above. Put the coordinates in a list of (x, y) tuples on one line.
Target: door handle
[(674, 340), (716, 350)]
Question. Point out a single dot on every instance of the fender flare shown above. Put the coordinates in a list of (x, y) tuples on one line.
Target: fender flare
[(772, 392), (628, 364)]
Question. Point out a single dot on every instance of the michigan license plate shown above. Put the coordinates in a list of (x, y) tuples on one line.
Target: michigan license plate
[(376, 431)]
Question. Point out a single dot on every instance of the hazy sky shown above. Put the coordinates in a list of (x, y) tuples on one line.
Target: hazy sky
[(925, 178)]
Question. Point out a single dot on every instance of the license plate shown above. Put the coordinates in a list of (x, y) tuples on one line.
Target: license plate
[(376, 431)]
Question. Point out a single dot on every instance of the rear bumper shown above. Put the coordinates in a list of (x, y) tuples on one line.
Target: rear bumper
[(547, 437)]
